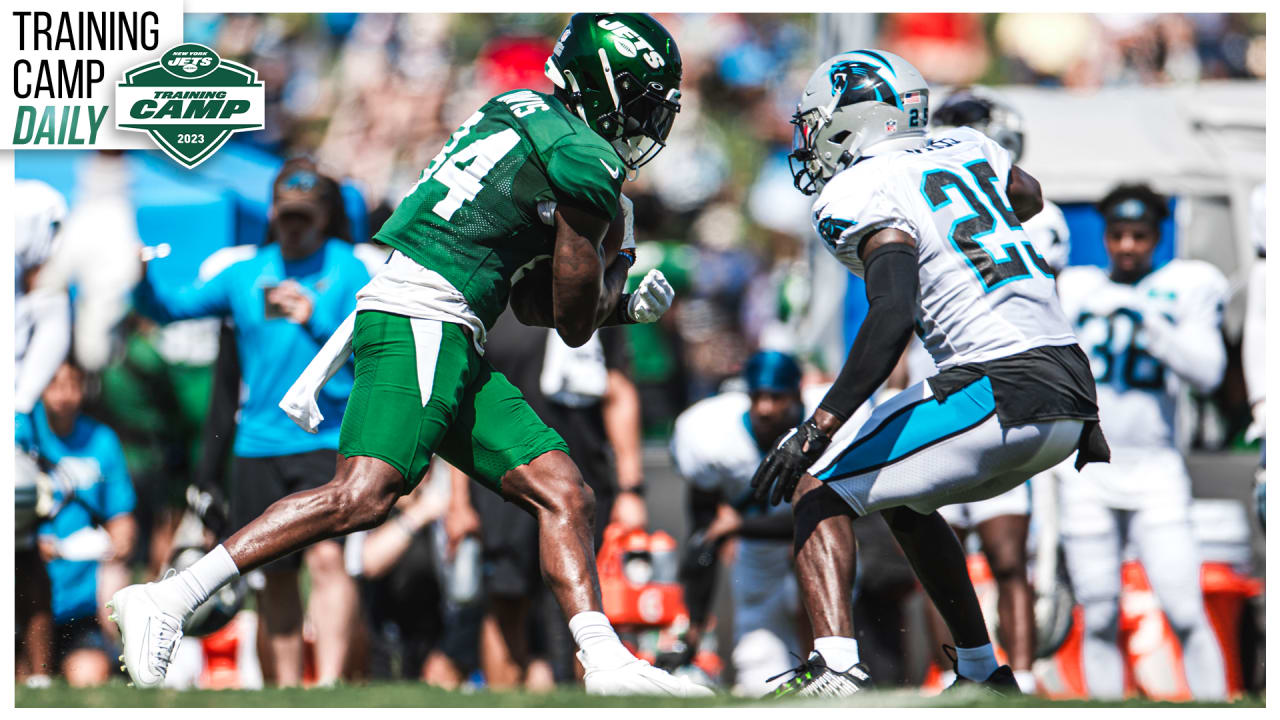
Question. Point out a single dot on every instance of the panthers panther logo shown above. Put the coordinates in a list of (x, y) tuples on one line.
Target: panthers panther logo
[(856, 81)]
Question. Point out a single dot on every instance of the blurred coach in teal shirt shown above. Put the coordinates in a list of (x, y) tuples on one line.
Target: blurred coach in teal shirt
[(285, 299)]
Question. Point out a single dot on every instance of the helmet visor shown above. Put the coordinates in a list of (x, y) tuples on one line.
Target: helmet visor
[(647, 118), (803, 160)]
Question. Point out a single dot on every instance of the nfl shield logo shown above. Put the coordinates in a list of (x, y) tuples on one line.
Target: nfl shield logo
[(891, 126)]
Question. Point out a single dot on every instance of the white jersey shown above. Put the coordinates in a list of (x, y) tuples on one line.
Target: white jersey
[(714, 450), (39, 210), (1145, 341), (985, 292)]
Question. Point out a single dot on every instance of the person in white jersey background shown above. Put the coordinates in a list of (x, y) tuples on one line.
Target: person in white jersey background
[(718, 466), (934, 226), (1151, 334)]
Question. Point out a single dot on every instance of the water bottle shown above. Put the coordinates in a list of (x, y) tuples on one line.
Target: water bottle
[(662, 553), (463, 579)]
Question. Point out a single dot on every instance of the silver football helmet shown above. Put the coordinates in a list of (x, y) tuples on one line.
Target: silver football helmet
[(986, 111), (853, 102)]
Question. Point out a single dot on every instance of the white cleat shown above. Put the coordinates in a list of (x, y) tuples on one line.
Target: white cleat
[(149, 635), (641, 678)]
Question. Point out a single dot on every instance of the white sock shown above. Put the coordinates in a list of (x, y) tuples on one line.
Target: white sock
[(600, 646), (1026, 681), (181, 594), (976, 664), (841, 653)]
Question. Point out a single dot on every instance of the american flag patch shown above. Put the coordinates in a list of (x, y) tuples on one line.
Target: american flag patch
[(911, 98)]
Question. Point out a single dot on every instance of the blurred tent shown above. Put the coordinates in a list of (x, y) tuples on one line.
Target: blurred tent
[(247, 172), (193, 215), (224, 201), (1205, 144)]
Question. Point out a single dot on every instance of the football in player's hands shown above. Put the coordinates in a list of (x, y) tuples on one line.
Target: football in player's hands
[(532, 291)]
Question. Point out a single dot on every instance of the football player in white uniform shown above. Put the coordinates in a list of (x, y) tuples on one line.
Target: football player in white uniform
[(935, 229), (1001, 522), (1150, 333), (718, 467)]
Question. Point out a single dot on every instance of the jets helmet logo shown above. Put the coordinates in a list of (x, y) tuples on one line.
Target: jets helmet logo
[(190, 101), (629, 43)]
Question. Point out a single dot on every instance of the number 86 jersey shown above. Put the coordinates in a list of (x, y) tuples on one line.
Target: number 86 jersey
[(1145, 341), (985, 290)]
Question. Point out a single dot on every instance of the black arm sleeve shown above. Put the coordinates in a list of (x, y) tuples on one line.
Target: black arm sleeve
[(892, 283), (772, 526), (698, 564), (219, 430)]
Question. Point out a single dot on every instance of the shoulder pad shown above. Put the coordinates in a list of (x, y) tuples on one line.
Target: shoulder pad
[(586, 175)]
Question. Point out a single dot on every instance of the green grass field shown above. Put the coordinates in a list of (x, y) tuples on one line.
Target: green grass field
[(416, 695)]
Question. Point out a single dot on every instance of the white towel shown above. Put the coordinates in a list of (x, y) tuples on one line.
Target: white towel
[(299, 403)]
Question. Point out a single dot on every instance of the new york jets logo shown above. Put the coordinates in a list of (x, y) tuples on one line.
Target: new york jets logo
[(190, 101), (629, 43)]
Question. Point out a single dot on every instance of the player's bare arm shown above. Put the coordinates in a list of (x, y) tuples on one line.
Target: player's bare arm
[(1024, 194), (577, 274), (531, 297)]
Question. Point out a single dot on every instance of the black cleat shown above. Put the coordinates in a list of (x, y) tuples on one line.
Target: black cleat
[(1001, 683), (812, 678)]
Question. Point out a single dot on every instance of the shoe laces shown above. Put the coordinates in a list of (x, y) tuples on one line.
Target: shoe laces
[(168, 632), (799, 674)]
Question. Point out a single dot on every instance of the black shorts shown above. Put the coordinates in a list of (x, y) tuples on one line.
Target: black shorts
[(79, 634), (1053, 382), (256, 482)]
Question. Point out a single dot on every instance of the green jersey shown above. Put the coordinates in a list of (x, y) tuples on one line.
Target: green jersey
[(472, 218)]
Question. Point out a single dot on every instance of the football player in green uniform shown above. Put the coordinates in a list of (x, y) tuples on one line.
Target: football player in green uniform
[(522, 204)]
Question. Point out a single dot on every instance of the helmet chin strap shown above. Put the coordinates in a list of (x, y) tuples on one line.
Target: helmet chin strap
[(575, 95)]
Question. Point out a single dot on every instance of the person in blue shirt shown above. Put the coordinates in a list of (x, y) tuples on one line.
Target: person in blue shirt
[(285, 299), (90, 530)]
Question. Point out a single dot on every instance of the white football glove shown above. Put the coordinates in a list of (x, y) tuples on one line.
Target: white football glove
[(651, 299)]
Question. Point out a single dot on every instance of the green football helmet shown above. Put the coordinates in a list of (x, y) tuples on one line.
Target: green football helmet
[(620, 72)]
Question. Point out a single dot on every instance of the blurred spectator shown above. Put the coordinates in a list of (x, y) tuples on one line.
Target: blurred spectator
[(97, 254), (42, 324), (90, 532), (285, 299), (155, 395), (586, 396), (417, 633)]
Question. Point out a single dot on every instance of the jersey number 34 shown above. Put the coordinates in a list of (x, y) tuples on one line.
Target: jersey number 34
[(464, 170), (969, 234)]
